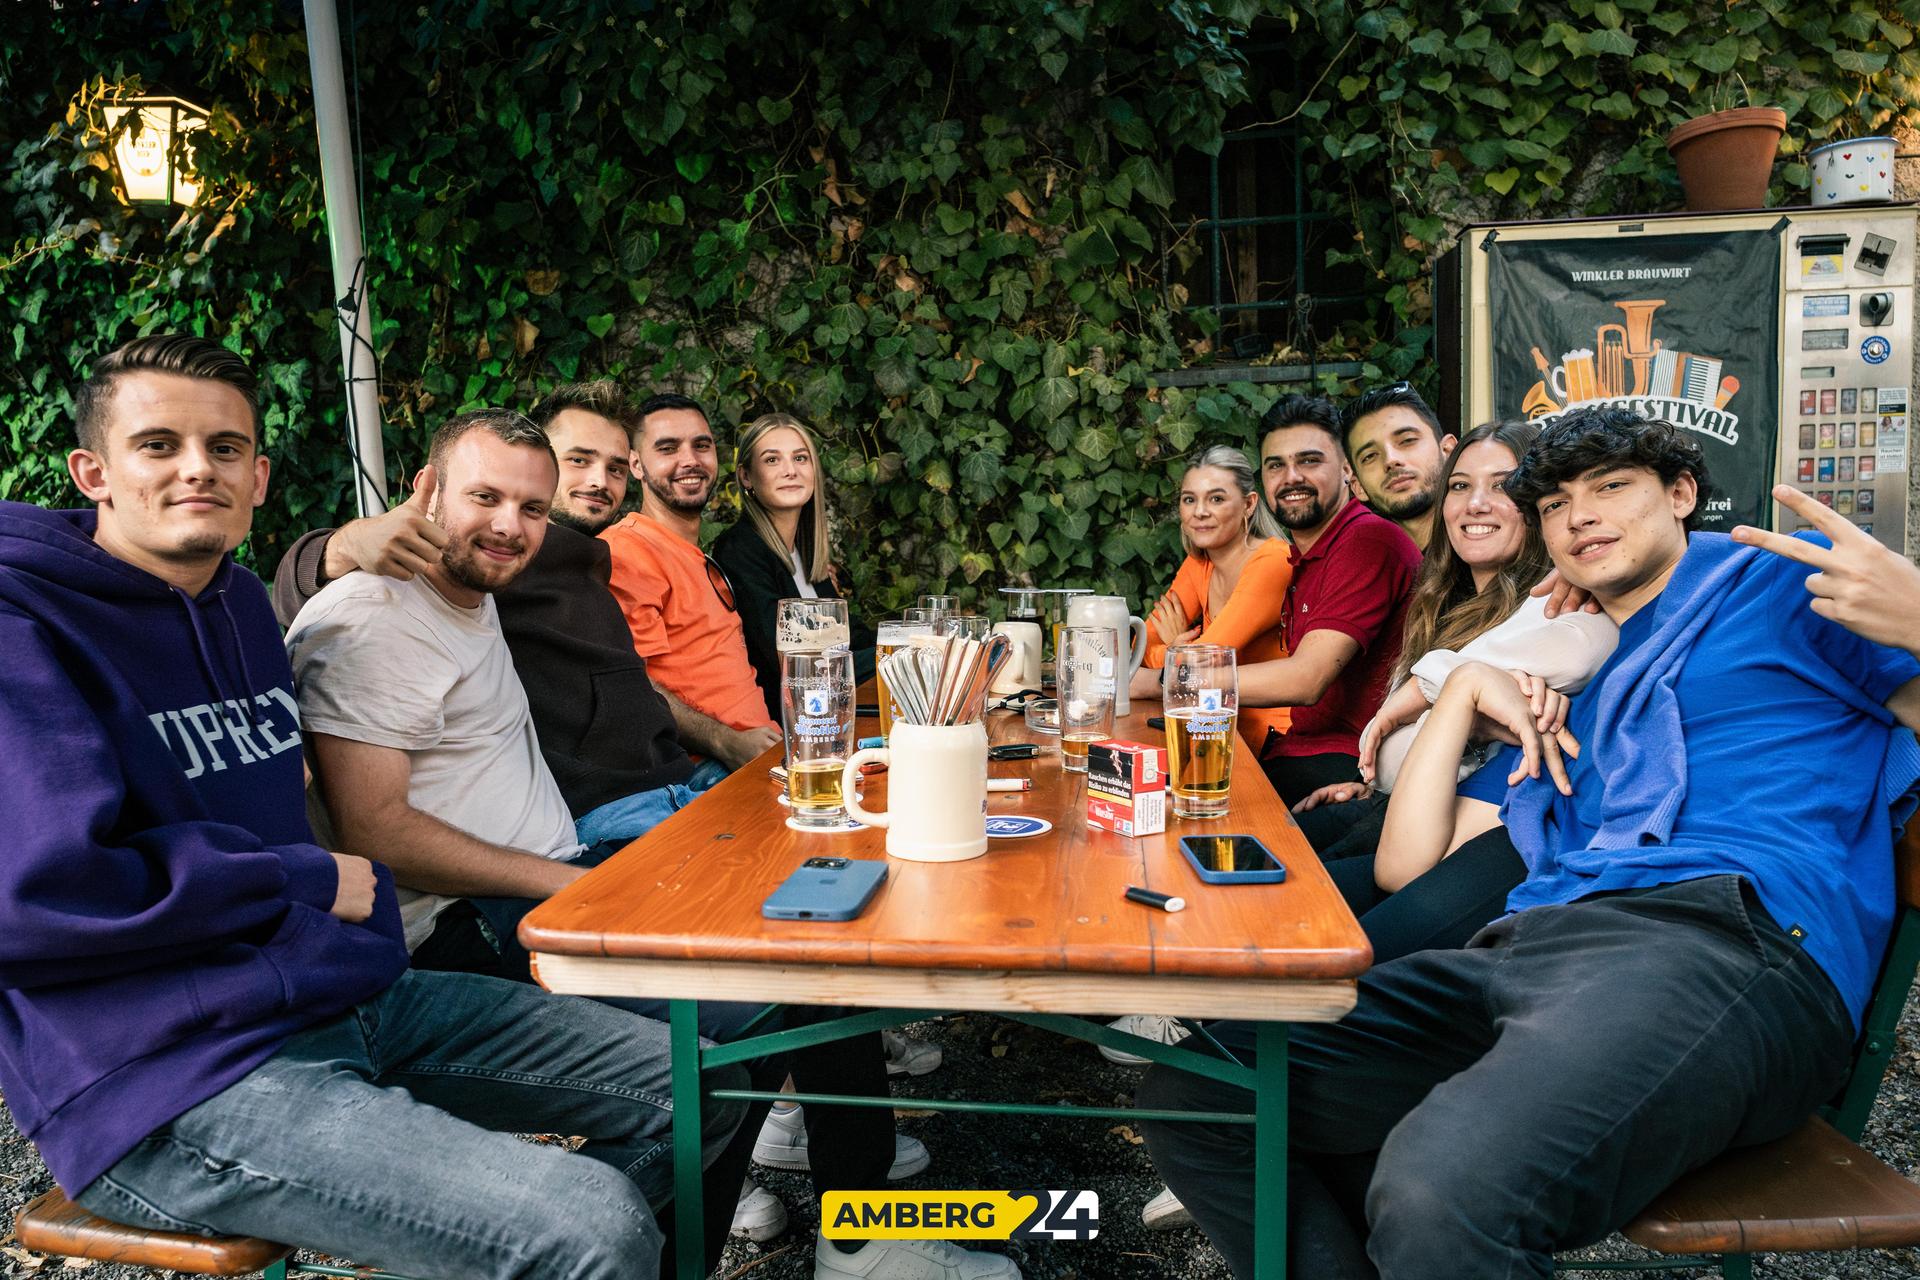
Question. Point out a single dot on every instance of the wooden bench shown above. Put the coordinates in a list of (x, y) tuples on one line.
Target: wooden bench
[(1815, 1189), (53, 1224)]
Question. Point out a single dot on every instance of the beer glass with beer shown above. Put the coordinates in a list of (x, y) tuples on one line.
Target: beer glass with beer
[(888, 637), (1085, 672), (816, 706), (1201, 691), (809, 626)]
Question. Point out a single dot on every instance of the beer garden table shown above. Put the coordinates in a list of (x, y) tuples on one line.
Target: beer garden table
[(1037, 930)]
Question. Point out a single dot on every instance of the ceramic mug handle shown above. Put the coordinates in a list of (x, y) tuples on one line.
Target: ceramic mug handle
[(850, 775)]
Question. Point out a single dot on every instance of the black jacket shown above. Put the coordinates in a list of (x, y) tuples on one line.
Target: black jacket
[(604, 730), (761, 580)]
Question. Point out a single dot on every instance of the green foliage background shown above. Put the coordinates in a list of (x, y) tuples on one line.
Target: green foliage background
[(943, 232)]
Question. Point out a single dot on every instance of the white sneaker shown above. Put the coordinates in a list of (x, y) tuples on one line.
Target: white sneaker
[(759, 1216), (909, 1260), (1165, 1212), (910, 1057), (1151, 1026), (782, 1144)]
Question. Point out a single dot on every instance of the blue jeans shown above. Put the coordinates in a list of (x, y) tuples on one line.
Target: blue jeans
[(385, 1136), (631, 817)]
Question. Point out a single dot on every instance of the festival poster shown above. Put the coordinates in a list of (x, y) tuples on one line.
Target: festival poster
[(1680, 327)]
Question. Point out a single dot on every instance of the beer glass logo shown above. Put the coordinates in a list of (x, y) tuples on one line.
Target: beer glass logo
[(1209, 699), (1627, 365), (817, 702)]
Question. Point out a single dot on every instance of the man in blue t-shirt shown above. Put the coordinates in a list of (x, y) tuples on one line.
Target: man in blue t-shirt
[(1684, 967)]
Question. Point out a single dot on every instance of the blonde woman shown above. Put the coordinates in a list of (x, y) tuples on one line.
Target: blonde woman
[(1233, 584), (777, 550)]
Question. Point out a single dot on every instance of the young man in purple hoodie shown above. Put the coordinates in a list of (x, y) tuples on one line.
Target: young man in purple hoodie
[(210, 1026)]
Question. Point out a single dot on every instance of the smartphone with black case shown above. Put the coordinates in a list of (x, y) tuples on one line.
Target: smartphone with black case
[(1232, 860), (826, 889)]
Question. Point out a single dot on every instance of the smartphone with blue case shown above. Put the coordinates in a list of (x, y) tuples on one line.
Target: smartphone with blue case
[(1232, 860), (826, 889)]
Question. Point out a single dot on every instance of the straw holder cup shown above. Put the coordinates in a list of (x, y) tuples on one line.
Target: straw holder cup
[(936, 791)]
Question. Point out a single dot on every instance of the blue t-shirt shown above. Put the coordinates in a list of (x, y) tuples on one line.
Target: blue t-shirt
[(1783, 775), (1489, 781)]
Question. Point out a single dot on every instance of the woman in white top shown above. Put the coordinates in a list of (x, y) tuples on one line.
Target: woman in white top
[(1470, 604)]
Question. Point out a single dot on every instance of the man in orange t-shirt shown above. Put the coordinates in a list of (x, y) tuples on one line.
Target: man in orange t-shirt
[(677, 602)]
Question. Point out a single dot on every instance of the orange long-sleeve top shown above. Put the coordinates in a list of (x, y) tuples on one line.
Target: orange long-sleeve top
[(1249, 622)]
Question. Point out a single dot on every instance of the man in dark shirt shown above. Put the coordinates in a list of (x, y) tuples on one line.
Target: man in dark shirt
[(1341, 623), (1397, 446)]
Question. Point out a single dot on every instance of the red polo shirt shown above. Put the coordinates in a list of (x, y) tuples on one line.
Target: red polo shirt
[(1354, 580)]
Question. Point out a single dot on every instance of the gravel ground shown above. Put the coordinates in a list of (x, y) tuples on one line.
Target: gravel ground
[(990, 1058)]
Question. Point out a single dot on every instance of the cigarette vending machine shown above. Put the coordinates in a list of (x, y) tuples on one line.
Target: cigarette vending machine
[(1782, 338)]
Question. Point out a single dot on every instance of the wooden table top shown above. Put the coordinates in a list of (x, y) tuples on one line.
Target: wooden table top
[(691, 889)]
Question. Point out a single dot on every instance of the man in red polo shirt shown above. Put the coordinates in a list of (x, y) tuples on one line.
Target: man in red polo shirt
[(1353, 571)]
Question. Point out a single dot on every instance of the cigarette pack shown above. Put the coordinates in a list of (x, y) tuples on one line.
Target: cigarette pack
[(1126, 787)]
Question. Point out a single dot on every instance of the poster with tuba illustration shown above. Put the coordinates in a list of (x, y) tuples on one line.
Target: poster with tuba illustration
[(1680, 327)]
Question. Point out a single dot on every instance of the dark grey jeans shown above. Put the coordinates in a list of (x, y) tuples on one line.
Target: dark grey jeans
[(385, 1136), (1482, 1108)]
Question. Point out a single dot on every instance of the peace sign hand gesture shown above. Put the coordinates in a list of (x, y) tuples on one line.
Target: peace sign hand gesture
[(1871, 590)]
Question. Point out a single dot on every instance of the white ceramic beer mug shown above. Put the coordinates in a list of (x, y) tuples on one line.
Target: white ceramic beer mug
[(1130, 637), (1022, 670), (936, 791)]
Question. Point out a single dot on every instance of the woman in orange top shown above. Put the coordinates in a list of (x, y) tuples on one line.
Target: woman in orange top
[(1232, 586)]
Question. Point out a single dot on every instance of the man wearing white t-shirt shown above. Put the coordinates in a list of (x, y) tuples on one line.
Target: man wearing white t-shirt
[(423, 745)]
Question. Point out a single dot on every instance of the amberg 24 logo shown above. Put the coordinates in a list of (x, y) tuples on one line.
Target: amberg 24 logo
[(960, 1215)]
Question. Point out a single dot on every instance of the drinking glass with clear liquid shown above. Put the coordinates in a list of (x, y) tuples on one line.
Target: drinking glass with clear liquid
[(1200, 687), (889, 637), (816, 712), (809, 626), (1085, 671)]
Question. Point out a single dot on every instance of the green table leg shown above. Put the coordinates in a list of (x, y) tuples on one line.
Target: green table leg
[(683, 1031), (1270, 1151)]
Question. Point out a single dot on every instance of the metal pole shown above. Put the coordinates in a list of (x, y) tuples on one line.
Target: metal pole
[(353, 297)]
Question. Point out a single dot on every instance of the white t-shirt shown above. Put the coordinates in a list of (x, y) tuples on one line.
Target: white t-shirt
[(800, 583), (394, 664)]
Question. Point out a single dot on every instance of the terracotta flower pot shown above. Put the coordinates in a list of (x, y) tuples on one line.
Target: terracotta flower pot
[(1726, 158)]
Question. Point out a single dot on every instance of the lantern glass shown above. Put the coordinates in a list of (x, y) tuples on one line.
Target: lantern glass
[(150, 152)]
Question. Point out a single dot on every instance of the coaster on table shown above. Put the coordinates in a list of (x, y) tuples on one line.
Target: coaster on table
[(845, 824), (1014, 826)]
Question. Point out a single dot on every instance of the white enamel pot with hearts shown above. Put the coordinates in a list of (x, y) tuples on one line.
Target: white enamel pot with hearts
[(1852, 171)]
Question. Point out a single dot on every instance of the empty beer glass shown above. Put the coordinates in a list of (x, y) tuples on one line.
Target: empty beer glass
[(1085, 673), (1201, 691), (808, 626), (969, 626), (817, 709)]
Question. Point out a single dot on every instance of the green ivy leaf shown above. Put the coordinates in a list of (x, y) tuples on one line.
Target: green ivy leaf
[(1502, 181), (1865, 64), (599, 326)]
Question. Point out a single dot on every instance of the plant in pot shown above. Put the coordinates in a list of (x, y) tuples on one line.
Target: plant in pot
[(1725, 157)]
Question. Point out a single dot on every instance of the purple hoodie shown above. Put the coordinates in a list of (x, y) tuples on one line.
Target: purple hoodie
[(163, 909)]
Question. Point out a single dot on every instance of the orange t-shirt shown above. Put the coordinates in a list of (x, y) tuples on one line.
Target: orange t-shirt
[(690, 638), (1249, 622)]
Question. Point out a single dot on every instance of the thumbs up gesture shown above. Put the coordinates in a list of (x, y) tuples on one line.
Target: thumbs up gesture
[(399, 544)]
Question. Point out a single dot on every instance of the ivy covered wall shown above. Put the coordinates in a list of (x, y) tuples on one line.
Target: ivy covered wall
[(946, 233)]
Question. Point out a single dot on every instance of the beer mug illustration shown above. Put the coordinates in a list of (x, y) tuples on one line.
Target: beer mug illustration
[(1576, 379)]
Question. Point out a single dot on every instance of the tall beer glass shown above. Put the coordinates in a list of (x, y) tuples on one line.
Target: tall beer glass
[(816, 705), (1085, 672), (889, 637), (1201, 688)]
